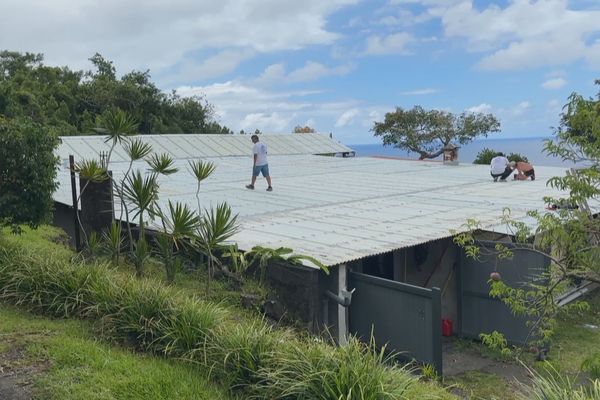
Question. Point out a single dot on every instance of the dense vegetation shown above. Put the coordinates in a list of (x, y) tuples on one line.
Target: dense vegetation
[(27, 172), (485, 157), (70, 102), (246, 355)]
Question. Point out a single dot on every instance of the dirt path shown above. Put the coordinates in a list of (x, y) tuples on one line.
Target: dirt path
[(458, 360), (463, 359), (16, 372)]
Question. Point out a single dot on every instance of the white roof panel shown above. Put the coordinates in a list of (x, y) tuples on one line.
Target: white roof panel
[(341, 209), (182, 146)]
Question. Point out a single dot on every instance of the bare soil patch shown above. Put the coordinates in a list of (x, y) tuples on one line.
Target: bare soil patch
[(17, 371)]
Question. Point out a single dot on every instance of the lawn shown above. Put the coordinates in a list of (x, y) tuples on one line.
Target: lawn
[(62, 359)]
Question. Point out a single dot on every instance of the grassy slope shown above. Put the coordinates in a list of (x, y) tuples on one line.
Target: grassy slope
[(86, 368), (574, 341), (77, 366)]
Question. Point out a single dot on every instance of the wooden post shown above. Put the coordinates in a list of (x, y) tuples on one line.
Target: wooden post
[(75, 206)]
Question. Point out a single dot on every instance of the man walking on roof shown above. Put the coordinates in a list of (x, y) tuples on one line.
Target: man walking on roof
[(260, 165)]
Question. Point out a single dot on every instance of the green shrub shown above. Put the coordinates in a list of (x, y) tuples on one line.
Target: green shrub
[(188, 329), (27, 172), (496, 343), (485, 156), (556, 386), (239, 355), (44, 284), (592, 365), (516, 157), (318, 371)]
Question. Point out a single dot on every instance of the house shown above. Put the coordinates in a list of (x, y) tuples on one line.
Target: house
[(384, 226)]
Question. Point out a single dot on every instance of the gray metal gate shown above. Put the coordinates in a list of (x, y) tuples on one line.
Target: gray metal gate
[(477, 311), (404, 317)]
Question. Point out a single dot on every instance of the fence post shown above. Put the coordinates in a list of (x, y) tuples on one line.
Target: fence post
[(436, 329), (75, 205)]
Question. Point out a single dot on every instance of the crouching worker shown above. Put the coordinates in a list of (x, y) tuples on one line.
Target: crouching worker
[(500, 168), (523, 170)]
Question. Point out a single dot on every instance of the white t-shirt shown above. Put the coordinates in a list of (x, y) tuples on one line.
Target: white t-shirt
[(260, 149), (498, 164)]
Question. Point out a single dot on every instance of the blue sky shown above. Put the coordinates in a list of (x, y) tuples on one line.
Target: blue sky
[(336, 65)]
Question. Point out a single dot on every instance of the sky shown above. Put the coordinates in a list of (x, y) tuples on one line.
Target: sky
[(335, 65)]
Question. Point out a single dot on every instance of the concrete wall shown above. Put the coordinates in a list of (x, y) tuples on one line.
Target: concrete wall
[(64, 218), (296, 294)]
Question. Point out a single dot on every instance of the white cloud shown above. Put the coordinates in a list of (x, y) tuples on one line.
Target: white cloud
[(419, 92), (240, 106), (593, 56), (311, 71), (524, 33), (520, 108), (554, 107), (554, 83), (391, 44), (223, 62), (141, 34), (267, 123), (347, 117), (534, 53), (481, 108)]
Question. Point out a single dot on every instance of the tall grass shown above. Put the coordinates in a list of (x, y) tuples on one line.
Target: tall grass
[(252, 359), (314, 370), (554, 385)]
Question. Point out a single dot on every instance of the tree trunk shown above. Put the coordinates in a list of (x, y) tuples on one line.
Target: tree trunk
[(425, 155)]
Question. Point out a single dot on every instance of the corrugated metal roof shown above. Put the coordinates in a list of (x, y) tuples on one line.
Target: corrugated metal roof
[(186, 146), (342, 209)]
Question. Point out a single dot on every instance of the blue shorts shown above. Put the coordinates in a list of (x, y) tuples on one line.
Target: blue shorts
[(258, 169)]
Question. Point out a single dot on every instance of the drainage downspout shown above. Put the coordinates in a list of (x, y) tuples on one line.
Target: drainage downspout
[(343, 300)]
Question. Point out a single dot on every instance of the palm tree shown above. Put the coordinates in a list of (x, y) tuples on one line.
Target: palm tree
[(116, 125), (201, 171), (141, 192), (218, 225), (136, 150)]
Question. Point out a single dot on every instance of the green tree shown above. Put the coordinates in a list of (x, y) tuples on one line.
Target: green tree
[(426, 132), (485, 157), (569, 235), (72, 101), (27, 172)]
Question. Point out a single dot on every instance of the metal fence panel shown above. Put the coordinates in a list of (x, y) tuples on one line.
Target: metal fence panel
[(405, 318), (477, 311)]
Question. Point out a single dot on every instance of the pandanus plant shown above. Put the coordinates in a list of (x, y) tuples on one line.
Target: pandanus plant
[(179, 224), (136, 150), (116, 125), (141, 192), (217, 226), (201, 171)]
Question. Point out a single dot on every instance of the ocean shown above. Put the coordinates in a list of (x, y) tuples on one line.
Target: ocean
[(532, 148)]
